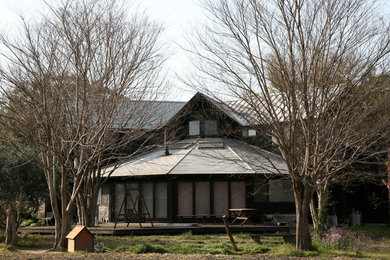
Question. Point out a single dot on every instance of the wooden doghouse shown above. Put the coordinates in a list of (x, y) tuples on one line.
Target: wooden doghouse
[(80, 238)]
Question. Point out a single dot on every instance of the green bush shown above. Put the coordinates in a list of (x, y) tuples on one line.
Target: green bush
[(27, 240), (27, 222), (187, 235), (256, 249), (318, 247), (32, 222), (36, 224), (147, 248), (120, 249), (5, 248)]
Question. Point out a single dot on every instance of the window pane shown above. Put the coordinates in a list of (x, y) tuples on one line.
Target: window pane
[(99, 199), (202, 197), (185, 198), (132, 201), (221, 198), (251, 132), (119, 195), (105, 192), (261, 193), (194, 128), (147, 192), (280, 191), (103, 209), (237, 191), (161, 200), (210, 127)]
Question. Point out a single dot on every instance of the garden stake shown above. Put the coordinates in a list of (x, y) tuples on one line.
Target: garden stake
[(229, 233)]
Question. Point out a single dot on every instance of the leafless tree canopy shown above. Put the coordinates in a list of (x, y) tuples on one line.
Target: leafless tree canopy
[(73, 83), (307, 71)]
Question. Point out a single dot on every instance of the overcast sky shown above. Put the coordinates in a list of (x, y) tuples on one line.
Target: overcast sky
[(177, 16)]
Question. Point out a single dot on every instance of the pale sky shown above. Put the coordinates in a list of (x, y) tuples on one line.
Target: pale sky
[(177, 16)]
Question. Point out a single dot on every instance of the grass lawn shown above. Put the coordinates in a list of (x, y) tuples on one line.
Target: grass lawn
[(376, 246)]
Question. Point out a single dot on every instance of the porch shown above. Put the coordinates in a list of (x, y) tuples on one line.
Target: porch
[(165, 229)]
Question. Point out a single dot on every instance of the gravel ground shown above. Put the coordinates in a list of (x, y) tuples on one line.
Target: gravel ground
[(43, 254)]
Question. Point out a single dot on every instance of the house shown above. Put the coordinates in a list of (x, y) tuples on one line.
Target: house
[(209, 167), (214, 162)]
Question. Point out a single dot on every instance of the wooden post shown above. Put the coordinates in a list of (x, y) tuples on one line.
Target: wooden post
[(166, 151), (229, 233)]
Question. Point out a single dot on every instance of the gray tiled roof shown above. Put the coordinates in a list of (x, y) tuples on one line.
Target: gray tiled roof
[(235, 157), (154, 113)]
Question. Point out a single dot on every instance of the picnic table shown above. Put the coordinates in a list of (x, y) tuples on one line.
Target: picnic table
[(243, 214)]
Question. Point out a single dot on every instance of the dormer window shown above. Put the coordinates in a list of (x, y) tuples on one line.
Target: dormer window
[(194, 127), (248, 133), (210, 127), (203, 128)]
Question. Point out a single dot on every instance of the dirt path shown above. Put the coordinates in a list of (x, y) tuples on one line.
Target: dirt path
[(45, 254)]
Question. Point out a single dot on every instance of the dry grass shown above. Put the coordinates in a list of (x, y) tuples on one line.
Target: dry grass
[(188, 246)]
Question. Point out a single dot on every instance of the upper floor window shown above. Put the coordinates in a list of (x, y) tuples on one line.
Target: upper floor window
[(206, 128), (248, 132), (194, 127), (210, 127)]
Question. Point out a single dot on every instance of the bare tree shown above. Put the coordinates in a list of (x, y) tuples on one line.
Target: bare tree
[(75, 86), (299, 70)]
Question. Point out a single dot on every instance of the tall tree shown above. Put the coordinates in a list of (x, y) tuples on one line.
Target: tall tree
[(319, 55), (75, 86), (22, 187)]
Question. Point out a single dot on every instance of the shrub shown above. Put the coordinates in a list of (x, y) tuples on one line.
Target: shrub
[(28, 241), (256, 249), (339, 238), (147, 248), (187, 235), (27, 222), (2, 237)]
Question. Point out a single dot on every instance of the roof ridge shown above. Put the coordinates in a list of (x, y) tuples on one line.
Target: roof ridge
[(189, 150), (240, 158)]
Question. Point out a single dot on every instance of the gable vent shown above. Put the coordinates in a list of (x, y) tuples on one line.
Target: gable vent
[(210, 144)]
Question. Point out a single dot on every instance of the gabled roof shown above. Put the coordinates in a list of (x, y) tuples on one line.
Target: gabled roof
[(76, 231), (203, 156), (156, 114), (225, 108)]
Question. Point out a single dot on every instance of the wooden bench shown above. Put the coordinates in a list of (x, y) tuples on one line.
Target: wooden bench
[(288, 238), (202, 216)]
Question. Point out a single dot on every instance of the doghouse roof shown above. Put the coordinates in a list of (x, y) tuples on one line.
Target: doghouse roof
[(76, 231)]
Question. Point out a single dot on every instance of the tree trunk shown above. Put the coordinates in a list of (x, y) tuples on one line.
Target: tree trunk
[(303, 195), (87, 205), (318, 210), (65, 227), (81, 210), (388, 181), (92, 206), (11, 226), (50, 173)]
